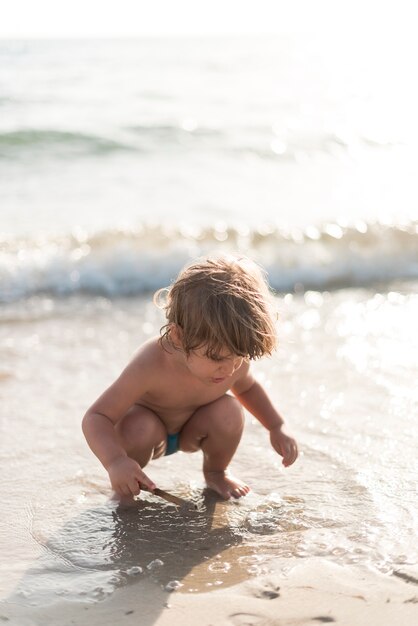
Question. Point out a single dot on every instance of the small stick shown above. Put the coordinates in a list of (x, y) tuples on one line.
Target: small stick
[(168, 497)]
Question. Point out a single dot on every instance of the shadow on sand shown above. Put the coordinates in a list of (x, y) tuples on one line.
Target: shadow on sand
[(149, 549)]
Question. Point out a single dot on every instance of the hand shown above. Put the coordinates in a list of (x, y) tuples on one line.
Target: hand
[(127, 477), (285, 445)]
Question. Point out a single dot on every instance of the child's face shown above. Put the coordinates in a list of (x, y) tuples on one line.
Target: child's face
[(213, 371)]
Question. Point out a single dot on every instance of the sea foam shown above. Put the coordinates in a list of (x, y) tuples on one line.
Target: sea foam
[(133, 261)]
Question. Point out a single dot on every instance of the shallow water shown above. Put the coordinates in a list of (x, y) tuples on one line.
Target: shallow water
[(344, 379), (121, 161)]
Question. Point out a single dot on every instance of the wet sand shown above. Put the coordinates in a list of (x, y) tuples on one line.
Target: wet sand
[(316, 592), (332, 538)]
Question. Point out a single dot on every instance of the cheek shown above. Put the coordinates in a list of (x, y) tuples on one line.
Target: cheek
[(199, 367)]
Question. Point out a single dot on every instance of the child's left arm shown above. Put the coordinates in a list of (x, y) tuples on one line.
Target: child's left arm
[(254, 398)]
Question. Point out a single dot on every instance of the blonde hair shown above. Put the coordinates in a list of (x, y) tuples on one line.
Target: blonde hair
[(221, 304)]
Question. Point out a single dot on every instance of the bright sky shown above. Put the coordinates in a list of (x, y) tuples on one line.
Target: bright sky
[(120, 18)]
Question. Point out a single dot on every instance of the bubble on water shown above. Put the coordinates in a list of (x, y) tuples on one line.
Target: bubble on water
[(134, 571), (251, 559), (384, 567), (261, 524), (173, 585), (274, 498), (220, 567), (155, 564), (100, 593), (114, 580)]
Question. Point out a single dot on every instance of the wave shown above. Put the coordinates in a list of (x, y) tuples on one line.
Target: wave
[(14, 143), (128, 262), (262, 142), (186, 128)]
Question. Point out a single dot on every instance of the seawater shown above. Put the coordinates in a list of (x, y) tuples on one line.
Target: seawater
[(297, 130), (342, 377), (120, 162)]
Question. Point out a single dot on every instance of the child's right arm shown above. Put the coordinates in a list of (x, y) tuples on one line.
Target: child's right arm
[(126, 475)]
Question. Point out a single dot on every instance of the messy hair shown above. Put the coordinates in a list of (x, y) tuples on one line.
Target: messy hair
[(221, 304)]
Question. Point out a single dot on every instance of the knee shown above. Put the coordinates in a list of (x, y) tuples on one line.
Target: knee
[(140, 428), (229, 415)]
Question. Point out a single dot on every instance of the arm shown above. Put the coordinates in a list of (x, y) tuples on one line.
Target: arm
[(98, 426), (254, 398)]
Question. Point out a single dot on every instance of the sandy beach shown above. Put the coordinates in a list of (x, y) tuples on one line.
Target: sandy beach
[(313, 593), (331, 539)]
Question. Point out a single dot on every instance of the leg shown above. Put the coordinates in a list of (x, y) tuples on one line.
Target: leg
[(216, 428), (142, 434)]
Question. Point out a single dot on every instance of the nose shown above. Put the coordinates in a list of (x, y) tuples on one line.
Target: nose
[(230, 366)]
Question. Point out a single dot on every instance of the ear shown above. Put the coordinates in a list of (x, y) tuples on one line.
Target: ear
[(176, 336)]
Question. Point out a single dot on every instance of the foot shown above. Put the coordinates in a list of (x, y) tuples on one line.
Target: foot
[(226, 485)]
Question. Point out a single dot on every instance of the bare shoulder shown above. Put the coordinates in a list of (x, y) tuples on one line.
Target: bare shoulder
[(150, 354), (134, 381), (150, 350), (243, 380)]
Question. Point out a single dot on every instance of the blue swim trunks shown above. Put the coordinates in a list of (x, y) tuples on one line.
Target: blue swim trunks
[(172, 444)]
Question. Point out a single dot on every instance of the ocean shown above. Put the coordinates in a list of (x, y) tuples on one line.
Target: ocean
[(121, 161)]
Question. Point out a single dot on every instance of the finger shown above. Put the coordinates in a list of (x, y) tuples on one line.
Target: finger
[(290, 456), (145, 482), (134, 487), (286, 455)]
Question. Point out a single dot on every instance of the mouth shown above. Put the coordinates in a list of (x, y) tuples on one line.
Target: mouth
[(218, 380)]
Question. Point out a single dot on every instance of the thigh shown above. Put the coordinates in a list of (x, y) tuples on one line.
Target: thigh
[(223, 416)]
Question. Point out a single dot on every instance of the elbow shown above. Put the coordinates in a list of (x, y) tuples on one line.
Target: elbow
[(93, 420), (247, 389), (85, 424)]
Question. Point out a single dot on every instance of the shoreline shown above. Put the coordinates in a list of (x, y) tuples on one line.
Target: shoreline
[(314, 592)]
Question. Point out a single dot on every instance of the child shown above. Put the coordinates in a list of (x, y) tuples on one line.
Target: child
[(174, 394)]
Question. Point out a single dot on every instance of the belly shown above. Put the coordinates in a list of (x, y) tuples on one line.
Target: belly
[(175, 418)]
